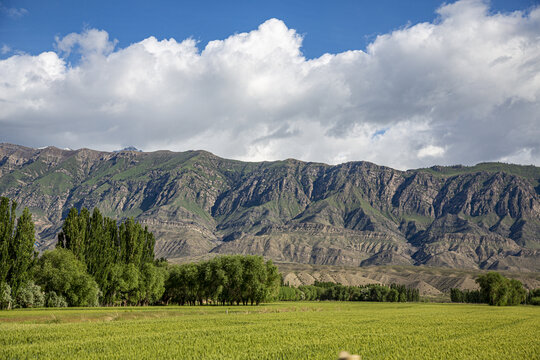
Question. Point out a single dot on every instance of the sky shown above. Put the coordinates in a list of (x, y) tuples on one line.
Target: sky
[(405, 84)]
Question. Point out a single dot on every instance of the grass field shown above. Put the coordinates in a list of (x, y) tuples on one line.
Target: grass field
[(309, 330)]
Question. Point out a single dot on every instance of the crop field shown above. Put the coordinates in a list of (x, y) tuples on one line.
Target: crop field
[(307, 330)]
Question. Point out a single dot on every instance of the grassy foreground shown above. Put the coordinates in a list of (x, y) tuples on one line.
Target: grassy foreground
[(275, 331)]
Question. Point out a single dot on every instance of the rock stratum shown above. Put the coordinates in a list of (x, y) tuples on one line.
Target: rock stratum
[(353, 214)]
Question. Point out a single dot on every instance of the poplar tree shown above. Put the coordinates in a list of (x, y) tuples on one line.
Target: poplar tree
[(16, 246), (22, 251), (119, 257), (7, 226)]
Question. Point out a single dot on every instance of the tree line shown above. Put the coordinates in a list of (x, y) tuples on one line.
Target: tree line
[(339, 292), (100, 262), (225, 280), (96, 262), (496, 290)]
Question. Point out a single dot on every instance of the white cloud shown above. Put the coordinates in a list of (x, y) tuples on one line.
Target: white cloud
[(431, 151), (90, 42), (5, 49), (463, 89), (13, 13)]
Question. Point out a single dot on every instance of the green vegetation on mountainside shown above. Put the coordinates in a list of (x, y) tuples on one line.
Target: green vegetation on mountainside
[(479, 216), (527, 171)]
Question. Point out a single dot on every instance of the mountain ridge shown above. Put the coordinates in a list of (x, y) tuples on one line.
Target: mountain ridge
[(485, 216)]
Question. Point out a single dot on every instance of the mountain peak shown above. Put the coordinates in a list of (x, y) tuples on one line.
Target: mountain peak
[(128, 148)]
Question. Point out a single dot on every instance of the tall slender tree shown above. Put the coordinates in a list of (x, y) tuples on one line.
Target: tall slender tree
[(16, 246), (22, 251), (7, 226), (119, 257)]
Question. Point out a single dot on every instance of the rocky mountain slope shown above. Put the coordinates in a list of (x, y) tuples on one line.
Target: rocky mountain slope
[(358, 213)]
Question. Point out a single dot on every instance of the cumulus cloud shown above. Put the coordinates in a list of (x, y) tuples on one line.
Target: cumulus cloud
[(463, 89), (90, 42), (430, 150)]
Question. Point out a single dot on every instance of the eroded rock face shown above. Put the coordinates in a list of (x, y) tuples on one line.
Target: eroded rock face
[(358, 213)]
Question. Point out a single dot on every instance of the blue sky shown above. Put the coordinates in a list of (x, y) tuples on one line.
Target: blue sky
[(405, 84), (327, 26)]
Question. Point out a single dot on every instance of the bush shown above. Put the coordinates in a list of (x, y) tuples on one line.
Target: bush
[(288, 293), (54, 300), (533, 297), (30, 295), (535, 301), (339, 292), (466, 296), (5, 296)]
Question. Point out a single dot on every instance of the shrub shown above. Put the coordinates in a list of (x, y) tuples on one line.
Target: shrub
[(54, 300), (5, 296), (289, 293), (535, 301), (30, 295), (533, 297)]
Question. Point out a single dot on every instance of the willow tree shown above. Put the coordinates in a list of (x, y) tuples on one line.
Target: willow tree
[(235, 279)]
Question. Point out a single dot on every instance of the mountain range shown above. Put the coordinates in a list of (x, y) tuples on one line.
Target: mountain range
[(353, 214)]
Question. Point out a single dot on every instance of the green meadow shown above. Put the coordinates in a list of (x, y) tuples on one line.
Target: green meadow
[(307, 330)]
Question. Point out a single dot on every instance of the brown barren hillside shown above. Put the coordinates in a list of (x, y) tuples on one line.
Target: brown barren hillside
[(432, 282)]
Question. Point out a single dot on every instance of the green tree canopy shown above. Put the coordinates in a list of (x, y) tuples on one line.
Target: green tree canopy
[(497, 290), (119, 257), (223, 280), (60, 271), (30, 295)]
